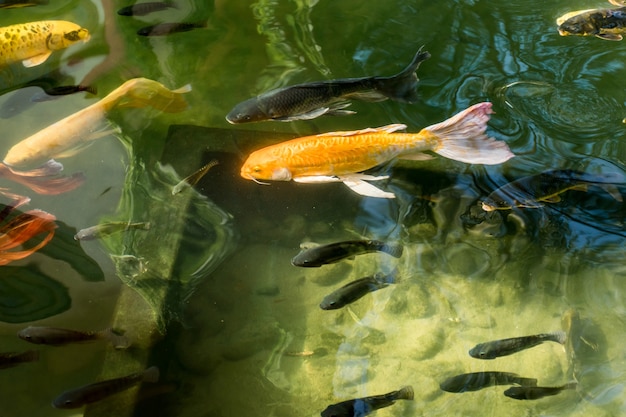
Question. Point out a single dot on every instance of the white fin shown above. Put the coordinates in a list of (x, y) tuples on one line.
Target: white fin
[(308, 245), (182, 90), (383, 129), (304, 116), (462, 137), (610, 36), (363, 188), (36, 60)]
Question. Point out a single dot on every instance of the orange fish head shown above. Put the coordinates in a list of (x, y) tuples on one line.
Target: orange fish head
[(265, 171)]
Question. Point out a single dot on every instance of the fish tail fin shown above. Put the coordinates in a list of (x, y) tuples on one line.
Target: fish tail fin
[(558, 337), (151, 374), (405, 393), (613, 191), (403, 86), (144, 92), (118, 340), (393, 250), (462, 137)]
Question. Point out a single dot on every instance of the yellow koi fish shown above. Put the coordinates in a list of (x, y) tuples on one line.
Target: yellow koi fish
[(65, 137), (342, 156), (32, 43)]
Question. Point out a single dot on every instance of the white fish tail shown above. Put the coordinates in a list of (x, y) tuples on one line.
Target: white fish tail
[(462, 137)]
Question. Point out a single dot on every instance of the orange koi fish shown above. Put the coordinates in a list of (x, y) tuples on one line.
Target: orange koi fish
[(21, 229), (342, 156)]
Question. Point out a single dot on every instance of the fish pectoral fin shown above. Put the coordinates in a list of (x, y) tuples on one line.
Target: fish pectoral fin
[(359, 186), (417, 156), (383, 129), (304, 116), (316, 179), (610, 36), (552, 199), (36, 60)]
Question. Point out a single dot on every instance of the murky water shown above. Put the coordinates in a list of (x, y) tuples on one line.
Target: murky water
[(235, 328)]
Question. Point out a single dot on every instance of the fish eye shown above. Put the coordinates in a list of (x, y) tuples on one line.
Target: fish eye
[(256, 169)]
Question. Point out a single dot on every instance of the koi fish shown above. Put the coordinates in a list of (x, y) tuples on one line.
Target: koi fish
[(311, 100), (342, 156), (11, 359), (535, 393), (55, 336), (478, 380), (98, 391), (534, 190), (106, 229), (504, 347), (355, 290), (364, 406), (193, 179), (32, 43), (607, 24), (68, 136), (313, 255), (163, 29), (44, 179), (142, 9)]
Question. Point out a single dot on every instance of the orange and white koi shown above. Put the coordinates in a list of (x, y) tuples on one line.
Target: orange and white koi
[(33, 43), (342, 156), (67, 136)]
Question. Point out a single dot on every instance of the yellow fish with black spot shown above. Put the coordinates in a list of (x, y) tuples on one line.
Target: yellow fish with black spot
[(32, 43)]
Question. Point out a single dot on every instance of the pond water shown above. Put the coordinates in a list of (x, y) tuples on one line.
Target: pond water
[(208, 294)]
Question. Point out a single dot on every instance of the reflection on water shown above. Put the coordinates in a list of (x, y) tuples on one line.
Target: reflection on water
[(240, 330)]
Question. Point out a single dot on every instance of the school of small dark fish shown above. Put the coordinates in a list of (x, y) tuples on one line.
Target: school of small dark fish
[(340, 156)]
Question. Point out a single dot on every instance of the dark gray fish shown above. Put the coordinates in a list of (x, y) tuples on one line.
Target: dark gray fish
[(55, 336), (142, 9), (534, 190), (62, 90), (311, 100), (319, 255), (535, 393), (478, 380), (98, 391), (163, 29), (360, 407), (504, 347), (106, 229), (607, 24), (12, 4), (354, 290), (11, 359)]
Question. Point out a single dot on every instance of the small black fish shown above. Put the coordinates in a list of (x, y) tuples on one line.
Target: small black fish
[(55, 336), (12, 4), (311, 100), (98, 391), (142, 9), (193, 179), (360, 407), (319, 255), (534, 190), (504, 347), (11, 359), (478, 380), (163, 29), (354, 290), (535, 393)]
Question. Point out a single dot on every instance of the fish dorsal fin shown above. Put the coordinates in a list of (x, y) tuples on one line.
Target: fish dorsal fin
[(610, 36), (363, 188), (36, 60), (383, 129)]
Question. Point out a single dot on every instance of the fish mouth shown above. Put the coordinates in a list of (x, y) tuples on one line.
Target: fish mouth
[(563, 32)]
